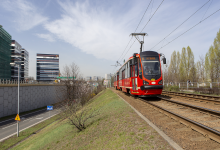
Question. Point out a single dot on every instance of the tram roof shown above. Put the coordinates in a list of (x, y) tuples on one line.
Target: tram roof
[(144, 53)]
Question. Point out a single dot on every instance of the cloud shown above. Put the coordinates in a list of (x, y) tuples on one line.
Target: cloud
[(94, 30), (47, 37), (26, 14)]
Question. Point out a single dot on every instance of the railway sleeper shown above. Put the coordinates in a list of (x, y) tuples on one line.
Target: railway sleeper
[(205, 131)]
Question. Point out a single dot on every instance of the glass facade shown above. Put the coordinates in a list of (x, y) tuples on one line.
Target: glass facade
[(47, 67), (5, 54), (24, 64), (15, 56)]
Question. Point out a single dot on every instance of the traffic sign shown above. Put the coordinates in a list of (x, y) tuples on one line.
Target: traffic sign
[(17, 118), (49, 107)]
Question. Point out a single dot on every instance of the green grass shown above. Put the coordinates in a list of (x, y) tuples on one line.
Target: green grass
[(24, 134), (117, 127)]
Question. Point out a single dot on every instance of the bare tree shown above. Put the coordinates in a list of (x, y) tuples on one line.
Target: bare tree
[(74, 94)]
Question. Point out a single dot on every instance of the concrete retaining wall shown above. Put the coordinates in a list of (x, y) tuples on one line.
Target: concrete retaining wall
[(31, 97)]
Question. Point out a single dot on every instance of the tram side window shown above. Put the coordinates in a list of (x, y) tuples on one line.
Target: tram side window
[(140, 70), (120, 74), (128, 69), (125, 71), (136, 70)]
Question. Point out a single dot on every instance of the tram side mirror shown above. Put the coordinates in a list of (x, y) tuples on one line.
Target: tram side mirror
[(164, 60)]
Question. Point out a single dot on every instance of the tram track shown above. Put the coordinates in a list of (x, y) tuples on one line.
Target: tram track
[(210, 111), (195, 97), (208, 132), (178, 119)]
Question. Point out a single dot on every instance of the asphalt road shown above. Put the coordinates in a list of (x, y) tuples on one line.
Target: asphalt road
[(8, 127)]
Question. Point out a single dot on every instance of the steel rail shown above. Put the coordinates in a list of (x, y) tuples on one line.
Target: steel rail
[(206, 131), (216, 99), (211, 111)]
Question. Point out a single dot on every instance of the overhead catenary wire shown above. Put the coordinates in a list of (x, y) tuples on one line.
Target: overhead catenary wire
[(207, 10), (144, 27), (152, 15), (136, 28), (189, 29), (143, 16), (125, 48), (129, 49), (181, 24)]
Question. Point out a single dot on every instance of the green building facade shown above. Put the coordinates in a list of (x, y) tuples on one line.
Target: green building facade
[(5, 54)]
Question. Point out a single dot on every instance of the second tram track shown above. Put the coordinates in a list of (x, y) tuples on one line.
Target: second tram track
[(207, 131), (166, 110)]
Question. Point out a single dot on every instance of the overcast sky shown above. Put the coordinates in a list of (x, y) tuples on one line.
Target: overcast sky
[(94, 33)]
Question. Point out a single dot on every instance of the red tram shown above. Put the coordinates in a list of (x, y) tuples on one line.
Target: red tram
[(141, 75)]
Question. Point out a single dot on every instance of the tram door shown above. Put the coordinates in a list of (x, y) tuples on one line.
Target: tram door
[(134, 75)]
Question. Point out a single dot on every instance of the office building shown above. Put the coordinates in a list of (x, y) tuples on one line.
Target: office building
[(99, 78), (107, 76), (47, 67), (5, 54), (94, 78), (24, 64), (15, 56), (88, 78)]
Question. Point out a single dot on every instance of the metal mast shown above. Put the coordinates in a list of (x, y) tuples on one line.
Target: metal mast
[(136, 36)]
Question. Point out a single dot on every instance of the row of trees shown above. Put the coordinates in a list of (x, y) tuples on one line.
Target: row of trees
[(182, 66)]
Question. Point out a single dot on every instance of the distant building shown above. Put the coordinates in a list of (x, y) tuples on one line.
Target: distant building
[(99, 78), (5, 54), (15, 56), (88, 78), (107, 76), (47, 67), (94, 78), (24, 64)]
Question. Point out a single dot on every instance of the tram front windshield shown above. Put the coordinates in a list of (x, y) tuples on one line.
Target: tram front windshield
[(151, 66)]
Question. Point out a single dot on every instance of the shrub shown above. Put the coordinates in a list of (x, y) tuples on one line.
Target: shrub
[(203, 90), (171, 88)]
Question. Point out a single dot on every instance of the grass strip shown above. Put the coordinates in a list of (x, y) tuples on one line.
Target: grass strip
[(26, 133), (117, 127)]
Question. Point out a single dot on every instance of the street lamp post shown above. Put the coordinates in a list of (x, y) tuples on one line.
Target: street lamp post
[(18, 64), (18, 98)]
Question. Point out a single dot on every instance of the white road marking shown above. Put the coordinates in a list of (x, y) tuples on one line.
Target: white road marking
[(8, 126), (27, 119), (22, 116), (39, 118), (26, 128)]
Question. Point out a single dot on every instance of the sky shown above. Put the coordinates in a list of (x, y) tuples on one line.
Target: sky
[(94, 34)]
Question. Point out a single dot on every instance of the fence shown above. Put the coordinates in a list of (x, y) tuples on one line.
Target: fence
[(6, 82), (193, 85)]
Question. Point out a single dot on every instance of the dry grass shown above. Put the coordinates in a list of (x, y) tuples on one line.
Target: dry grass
[(117, 127), (26, 133)]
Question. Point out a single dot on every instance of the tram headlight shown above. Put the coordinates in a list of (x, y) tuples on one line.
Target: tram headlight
[(160, 82), (145, 82)]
